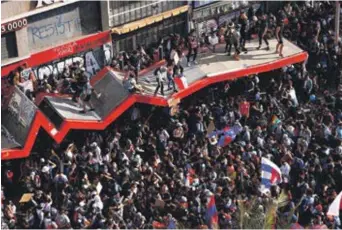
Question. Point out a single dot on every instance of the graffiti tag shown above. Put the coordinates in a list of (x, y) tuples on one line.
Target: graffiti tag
[(65, 49), (58, 27)]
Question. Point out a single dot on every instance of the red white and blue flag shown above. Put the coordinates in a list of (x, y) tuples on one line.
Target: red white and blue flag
[(228, 134), (270, 174), (336, 206), (212, 215)]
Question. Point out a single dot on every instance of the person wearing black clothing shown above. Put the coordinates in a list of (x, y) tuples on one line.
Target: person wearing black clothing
[(178, 70), (279, 32), (170, 75), (243, 21), (250, 13), (135, 61), (232, 39), (263, 25), (193, 46), (78, 84)]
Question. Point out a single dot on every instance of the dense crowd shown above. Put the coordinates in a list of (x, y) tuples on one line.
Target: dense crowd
[(159, 173)]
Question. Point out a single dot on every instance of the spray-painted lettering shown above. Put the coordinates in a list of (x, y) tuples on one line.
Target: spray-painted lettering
[(58, 27), (65, 49)]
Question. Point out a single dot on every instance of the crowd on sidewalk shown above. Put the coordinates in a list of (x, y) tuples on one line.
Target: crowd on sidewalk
[(161, 173)]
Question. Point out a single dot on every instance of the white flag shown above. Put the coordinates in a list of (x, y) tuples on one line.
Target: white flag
[(336, 205)]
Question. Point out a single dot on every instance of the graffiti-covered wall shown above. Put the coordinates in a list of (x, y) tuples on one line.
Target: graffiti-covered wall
[(92, 60), (62, 24)]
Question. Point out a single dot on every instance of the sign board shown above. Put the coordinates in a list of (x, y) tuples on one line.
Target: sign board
[(13, 26), (26, 198)]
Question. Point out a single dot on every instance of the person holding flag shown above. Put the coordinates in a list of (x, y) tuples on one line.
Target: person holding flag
[(228, 134)]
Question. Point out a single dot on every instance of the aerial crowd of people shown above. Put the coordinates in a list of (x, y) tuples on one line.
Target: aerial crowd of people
[(152, 170)]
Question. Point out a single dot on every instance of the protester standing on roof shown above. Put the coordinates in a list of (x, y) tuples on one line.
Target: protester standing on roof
[(279, 32), (232, 39), (213, 39), (170, 76), (135, 61), (146, 172), (78, 81), (192, 47), (85, 97), (244, 23), (262, 30)]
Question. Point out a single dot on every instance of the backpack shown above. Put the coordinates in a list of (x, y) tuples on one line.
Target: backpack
[(156, 71), (11, 78)]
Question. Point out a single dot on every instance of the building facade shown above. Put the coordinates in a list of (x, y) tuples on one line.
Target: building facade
[(33, 29), (134, 23), (34, 26)]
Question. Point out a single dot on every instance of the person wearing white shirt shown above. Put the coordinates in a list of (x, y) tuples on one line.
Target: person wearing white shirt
[(97, 153), (174, 56), (164, 136), (326, 131), (213, 40), (108, 157), (97, 201), (63, 220), (306, 134), (285, 169), (293, 96), (287, 141)]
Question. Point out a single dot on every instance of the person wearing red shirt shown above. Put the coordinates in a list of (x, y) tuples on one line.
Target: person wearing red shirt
[(244, 108)]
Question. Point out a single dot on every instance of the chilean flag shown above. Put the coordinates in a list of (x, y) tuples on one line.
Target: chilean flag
[(212, 215), (181, 82), (336, 206), (270, 174), (228, 134)]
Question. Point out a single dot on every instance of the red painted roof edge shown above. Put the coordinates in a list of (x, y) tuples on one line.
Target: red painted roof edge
[(41, 121)]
